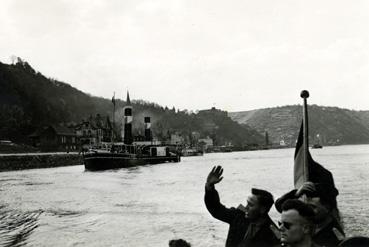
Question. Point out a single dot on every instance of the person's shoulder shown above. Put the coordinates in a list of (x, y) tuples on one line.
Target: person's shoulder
[(329, 234), (270, 231), (358, 241), (316, 245)]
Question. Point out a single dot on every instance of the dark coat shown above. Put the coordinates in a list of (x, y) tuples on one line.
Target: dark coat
[(329, 236), (238, 224)]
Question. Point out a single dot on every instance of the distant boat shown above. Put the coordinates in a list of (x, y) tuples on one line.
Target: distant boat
[(192, 152), (317, 146), (222, 149), (226, 149), (317, 143)]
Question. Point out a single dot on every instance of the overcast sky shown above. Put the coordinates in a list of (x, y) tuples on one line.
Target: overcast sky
[(192, 54)]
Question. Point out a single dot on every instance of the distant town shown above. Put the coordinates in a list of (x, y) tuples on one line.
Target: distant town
[(40, 114)]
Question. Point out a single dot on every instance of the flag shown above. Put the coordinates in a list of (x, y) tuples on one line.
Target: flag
[(320, 176), (317, 174), (113, 100), (128, 100)]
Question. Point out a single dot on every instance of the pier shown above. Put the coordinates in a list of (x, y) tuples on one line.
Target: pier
[(21, 161)]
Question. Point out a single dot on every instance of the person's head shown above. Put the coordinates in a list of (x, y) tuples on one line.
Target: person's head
[(321, 210), (322, 200), (179, 243), (297, 225), (258, 204)]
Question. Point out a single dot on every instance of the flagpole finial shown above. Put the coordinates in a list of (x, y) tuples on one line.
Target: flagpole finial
[(304, 94)]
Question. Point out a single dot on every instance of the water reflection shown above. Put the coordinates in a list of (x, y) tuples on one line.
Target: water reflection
[(16, 226)]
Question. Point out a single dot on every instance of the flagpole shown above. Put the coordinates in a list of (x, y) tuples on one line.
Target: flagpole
[(112, 131), (305, 95)]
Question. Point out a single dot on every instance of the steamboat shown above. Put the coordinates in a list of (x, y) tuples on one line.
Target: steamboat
[(129, 153)]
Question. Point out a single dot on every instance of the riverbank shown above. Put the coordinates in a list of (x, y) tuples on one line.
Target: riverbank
[(22, 161)]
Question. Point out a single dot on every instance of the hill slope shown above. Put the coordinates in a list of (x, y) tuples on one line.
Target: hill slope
[(334, 125), (29, 100)]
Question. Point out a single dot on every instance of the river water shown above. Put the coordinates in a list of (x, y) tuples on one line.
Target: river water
[(149, 205)]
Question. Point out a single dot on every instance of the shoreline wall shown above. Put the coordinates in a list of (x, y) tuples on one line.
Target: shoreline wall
[(34, 161)]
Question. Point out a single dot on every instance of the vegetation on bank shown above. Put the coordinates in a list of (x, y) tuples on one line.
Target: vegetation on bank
[(327, 125), (29, 100)]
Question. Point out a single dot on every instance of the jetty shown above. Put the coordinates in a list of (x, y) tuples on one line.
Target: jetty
[(22, 161)]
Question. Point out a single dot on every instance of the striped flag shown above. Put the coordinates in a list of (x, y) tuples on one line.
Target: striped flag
[(317, 173), (320, 176)]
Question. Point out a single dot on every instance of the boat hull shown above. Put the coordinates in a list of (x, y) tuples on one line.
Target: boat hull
[(105, 161), (317, 146), (192, 154)]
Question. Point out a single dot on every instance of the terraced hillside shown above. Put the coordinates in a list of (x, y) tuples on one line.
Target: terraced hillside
[(329, 125)]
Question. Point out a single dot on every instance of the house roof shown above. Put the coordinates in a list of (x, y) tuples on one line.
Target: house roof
[(96, 122), (61, 130)]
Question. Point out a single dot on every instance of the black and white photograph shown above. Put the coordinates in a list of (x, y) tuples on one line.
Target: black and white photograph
[(184, 123)]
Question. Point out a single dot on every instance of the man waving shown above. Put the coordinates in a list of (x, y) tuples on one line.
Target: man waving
[(248, 226)]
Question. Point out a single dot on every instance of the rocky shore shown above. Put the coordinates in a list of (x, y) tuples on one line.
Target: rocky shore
[(10, 162)]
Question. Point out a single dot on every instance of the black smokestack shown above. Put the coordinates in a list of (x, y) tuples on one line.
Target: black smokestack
[(128, 138), (148, 136)]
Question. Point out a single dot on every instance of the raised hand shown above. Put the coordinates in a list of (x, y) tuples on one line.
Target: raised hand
[(307, 188), (215, 176)]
